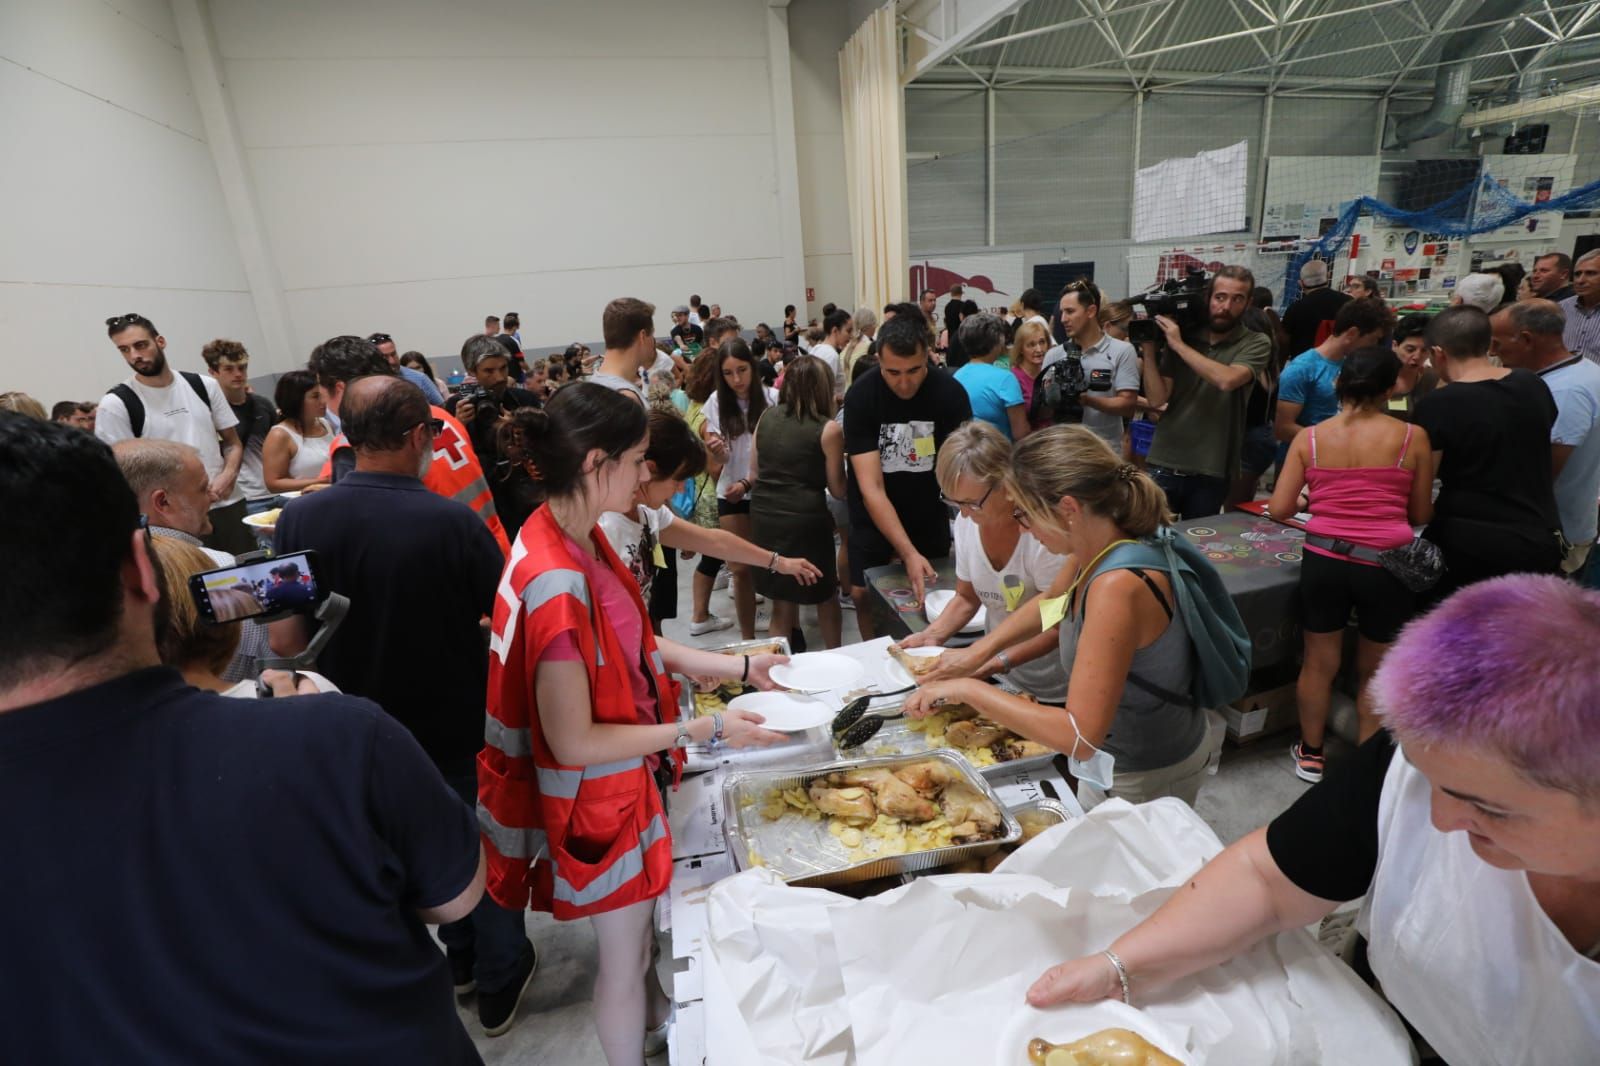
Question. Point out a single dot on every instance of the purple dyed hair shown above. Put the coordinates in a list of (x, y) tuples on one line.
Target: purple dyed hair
[(1509, 666)]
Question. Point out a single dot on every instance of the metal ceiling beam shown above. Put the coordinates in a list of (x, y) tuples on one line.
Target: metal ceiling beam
[(1103, 24), (1056, 27), (948, 27)]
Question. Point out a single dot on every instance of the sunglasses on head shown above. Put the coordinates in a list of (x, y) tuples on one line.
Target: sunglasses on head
[(132, 318), (380, 338)]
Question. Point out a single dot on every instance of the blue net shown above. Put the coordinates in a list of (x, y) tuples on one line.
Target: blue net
[(1478, 207)]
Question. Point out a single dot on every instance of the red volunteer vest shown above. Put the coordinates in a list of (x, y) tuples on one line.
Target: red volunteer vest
[(570, 840)]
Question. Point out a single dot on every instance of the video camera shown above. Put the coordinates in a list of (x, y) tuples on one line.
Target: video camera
[(1182, 301), (1062, 384)]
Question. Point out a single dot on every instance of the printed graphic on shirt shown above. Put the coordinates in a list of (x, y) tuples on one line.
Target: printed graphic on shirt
[(640, 557), (906, 447)]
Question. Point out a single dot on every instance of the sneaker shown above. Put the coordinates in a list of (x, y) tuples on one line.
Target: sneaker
[(655, 1040), (711, 625), (497, 1010), (1307, 765), (723, 577), (461, 966), (846, 601)]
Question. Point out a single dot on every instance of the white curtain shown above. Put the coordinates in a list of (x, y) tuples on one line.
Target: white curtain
[(874, 159)]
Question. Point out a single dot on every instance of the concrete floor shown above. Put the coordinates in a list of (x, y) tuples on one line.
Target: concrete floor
[(555, 1026)]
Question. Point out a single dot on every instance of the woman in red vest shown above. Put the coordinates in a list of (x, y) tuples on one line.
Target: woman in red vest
[(581, 706)]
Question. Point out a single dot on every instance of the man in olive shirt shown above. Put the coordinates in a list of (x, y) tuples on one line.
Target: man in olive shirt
[(1195, 454)]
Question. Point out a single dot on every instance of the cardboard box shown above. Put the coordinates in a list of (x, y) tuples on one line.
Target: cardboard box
[(1260, 714)]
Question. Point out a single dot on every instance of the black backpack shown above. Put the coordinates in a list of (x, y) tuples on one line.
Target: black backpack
[(135, 406)]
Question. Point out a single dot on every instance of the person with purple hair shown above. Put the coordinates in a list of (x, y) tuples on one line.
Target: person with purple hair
[(1472, 826)]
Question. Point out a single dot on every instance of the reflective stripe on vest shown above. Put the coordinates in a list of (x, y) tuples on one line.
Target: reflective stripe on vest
[(510, 742), (552, 583), (524, 842), (625, 869), (564, 783)]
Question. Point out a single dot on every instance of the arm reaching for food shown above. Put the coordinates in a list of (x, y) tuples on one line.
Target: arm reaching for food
[(1236, 900), (957, 614), (1023, 625)]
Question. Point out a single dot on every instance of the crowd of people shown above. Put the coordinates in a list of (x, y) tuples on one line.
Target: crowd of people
[(493, 724)]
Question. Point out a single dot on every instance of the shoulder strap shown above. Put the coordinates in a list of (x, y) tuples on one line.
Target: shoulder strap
[(1404, 445), (1155, 589), (197, 385), (133, 405), (1313, 445)]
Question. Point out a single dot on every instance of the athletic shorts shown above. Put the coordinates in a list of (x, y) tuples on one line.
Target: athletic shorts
[(1331, 589)]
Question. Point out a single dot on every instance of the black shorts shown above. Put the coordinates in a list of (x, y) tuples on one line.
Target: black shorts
[(1331, 588), (727, 507), (868, 549)]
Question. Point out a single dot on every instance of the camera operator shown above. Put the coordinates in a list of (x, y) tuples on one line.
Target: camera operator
[(1110, 367), (483, 403), (1205, 383)]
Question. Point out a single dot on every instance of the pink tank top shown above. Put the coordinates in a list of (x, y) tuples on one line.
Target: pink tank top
[(1365, 505)]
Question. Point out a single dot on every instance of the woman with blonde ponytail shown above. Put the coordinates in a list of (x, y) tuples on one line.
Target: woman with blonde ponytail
[(1147, 635)]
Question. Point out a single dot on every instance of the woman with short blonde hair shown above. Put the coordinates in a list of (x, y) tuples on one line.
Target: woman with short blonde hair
[(999, 565), (1029, 345), (1131, 727)]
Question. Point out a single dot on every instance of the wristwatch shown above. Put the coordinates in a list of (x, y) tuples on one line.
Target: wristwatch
[(682, 739)]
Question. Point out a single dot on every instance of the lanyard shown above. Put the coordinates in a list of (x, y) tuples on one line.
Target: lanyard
[(1086, 571), (1053, 610)]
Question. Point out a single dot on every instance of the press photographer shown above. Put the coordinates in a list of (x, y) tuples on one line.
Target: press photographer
[(1093, 378), (485, 401), (1205, 382)]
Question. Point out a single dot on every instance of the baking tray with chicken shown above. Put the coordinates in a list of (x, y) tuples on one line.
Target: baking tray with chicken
[(697, 703), (1035, 816), (862, 819), (990, 747)]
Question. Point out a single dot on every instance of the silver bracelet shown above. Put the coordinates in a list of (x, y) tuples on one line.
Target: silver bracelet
[(1005, 660), (1122, 974), (772, 563)]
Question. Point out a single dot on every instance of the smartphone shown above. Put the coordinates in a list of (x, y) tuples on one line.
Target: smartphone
[(266, 589)]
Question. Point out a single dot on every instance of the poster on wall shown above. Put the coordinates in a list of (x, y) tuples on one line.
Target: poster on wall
[(1307, 193), (989, 280), (1533, 179), (1149, 267)]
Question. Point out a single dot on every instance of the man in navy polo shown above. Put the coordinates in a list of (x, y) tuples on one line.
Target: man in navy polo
[(420, 572), (192, 878)]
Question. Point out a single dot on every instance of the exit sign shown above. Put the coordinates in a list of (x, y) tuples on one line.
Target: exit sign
[(811, 295)]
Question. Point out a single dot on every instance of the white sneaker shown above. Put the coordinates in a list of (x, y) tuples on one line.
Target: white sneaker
[(723, 577), (655, 1040), (848, 603), (711, 625)]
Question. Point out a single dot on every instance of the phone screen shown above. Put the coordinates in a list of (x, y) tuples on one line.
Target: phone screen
[(268, 588)]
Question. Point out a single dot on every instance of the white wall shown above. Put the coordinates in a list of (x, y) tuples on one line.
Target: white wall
[(109, 202), (424, 166), (416, 166)]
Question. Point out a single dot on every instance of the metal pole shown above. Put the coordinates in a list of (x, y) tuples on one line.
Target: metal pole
[(1383, 119), (988, 162), (1138, 138), (1261, 164)]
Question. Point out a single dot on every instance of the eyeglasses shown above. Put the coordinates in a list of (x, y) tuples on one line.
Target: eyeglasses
[(968, 504), (1021, 518), (435, 426)]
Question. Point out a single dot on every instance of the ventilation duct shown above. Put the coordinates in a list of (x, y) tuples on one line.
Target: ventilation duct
[(1453, 77)]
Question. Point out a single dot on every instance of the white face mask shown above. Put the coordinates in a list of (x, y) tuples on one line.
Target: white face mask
[(1097, 771)]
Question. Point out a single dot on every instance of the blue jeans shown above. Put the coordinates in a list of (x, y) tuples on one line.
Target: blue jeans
[(498, 937), (1191, 495)]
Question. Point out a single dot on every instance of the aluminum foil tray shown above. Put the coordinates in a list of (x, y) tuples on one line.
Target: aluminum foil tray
[(897, 738), (805, 854), (803, 748)]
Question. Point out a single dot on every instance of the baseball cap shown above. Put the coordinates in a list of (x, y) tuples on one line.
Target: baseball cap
[(681, 309)]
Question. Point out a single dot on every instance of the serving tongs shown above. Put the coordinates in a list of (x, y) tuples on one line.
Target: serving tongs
[(858, 723)]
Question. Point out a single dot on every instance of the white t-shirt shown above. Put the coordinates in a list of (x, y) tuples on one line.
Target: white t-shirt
[(175, 413), (739, 448), (635, 539), (830, 355), (663, 362), (1027, 573)]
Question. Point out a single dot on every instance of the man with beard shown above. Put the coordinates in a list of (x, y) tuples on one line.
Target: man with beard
[(1205, 382), (411, 641), (155, 403)]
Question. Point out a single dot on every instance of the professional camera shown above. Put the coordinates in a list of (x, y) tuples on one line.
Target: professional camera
[(1062, 384), (475, 394), (1182, 301)]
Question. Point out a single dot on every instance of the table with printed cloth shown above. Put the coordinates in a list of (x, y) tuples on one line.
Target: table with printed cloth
[(1259, 561)]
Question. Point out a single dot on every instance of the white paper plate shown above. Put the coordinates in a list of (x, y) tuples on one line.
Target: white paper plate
[(1062, 1025), (266, 520), (899, 674), (784, 711), (939, 599), (817, 671)]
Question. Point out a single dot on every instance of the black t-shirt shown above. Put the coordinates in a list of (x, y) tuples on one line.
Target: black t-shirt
[(1305, 317), (192, 878), (1495, 436), (907, 435), (420, 570), (256, 415), (1327, 843), (694, 333)]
